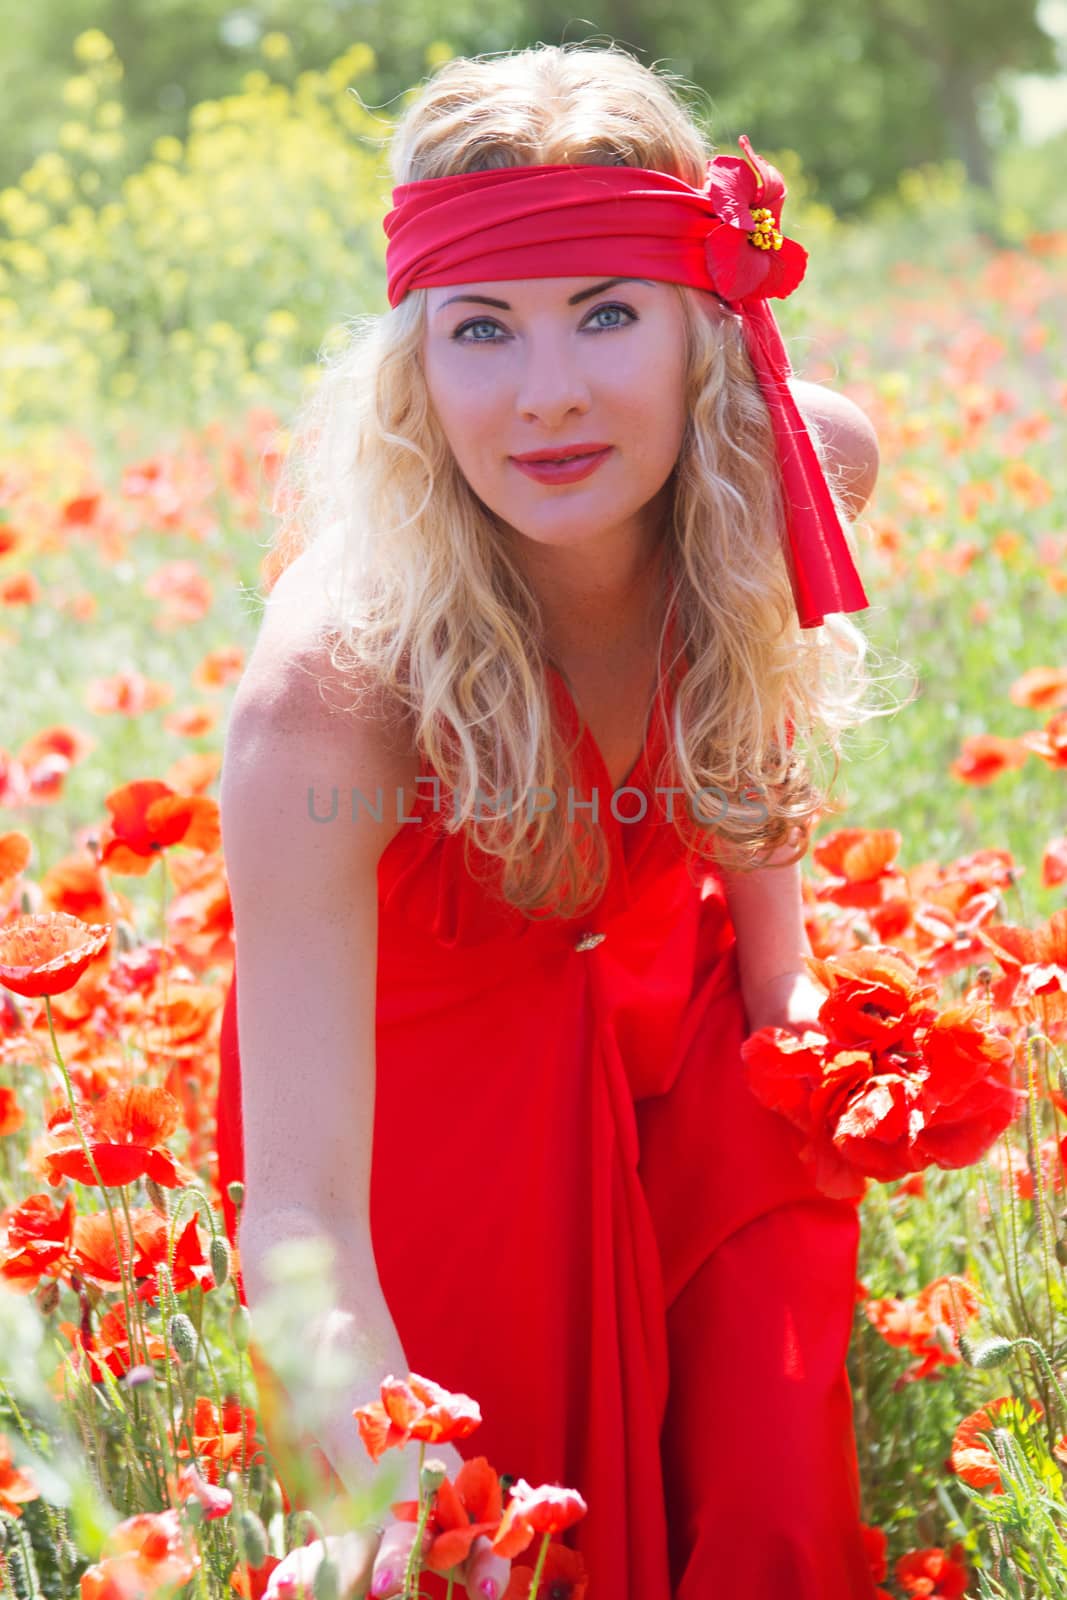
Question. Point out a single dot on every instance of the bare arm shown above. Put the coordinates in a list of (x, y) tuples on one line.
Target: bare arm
[(766, 905), (305, 909), (767, 910)]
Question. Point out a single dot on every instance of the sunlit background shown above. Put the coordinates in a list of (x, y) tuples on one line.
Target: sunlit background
[(191, 198)]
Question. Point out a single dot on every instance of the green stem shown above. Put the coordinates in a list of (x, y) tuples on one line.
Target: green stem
[(1038, 1178), (97, 1175), (1014, 1274), (535, 1581), (1033, 1344), (414, 1562), (164, 952)]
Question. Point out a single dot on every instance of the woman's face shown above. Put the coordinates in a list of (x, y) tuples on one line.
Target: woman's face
[(559, 364)]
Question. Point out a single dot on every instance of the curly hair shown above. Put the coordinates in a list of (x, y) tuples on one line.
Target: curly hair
[(425, 599)]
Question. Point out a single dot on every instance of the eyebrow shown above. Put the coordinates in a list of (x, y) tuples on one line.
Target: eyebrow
[(575, 299)]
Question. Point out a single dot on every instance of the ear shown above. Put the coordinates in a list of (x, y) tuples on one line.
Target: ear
[(850, 439)]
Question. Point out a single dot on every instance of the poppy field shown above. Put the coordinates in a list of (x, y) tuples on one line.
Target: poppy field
[(158, 327)]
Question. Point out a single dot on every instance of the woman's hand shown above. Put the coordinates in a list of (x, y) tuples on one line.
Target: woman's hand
[(483, 1576), (793, 999), (353, 1554), (373, 1565)]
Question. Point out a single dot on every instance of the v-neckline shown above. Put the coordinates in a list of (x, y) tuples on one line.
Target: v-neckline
[(652, 719)]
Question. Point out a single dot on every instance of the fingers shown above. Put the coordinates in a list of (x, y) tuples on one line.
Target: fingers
[(351, 1553), (485, 1574), (391, 1561)]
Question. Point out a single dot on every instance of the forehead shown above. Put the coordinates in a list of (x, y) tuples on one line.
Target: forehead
[(511, 293)]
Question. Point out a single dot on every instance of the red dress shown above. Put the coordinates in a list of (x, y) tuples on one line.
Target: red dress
[(584, 1219)]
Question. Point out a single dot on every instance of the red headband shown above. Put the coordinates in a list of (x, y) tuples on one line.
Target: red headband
[(579, 221)]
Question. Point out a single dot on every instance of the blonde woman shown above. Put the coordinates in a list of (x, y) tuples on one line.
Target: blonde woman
[(512, 822)]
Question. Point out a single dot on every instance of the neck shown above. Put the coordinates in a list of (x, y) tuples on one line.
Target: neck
[(597, 606)]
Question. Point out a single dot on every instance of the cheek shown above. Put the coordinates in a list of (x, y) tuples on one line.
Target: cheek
[(463, 408)]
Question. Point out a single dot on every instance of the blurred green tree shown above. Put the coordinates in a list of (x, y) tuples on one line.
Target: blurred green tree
[(863, 88)]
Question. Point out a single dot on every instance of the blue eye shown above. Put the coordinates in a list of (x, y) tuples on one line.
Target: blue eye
[(479, 322), (626, 311), (489, 322)]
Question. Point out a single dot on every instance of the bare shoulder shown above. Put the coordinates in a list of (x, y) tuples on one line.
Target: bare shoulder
[(311, 735), (849, 435)]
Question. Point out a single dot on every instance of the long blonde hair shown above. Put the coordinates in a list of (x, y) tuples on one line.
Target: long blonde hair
[(426, 602)]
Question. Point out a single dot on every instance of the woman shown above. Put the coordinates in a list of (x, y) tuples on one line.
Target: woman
[(491, 1033)]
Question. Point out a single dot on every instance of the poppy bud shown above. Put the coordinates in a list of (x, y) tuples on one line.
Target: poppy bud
[(241, 1326), (306, 1527), (990, 1353), (182, 1336), (252, 1538), (326, 1584), (220, 1260), (236, 1192), (272, 1501), (48, 1297), (67, 1555), (432, 1476)]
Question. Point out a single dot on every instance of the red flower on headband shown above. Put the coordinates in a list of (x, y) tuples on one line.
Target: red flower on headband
[(748, 256)]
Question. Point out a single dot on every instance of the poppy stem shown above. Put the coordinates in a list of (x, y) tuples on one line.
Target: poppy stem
[(1037, 1177), (164, 952), (414, 1562), (535, 1581), (99, 1179)]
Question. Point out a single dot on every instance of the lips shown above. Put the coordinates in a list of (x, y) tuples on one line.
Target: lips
[(553, 471), (563, 453)]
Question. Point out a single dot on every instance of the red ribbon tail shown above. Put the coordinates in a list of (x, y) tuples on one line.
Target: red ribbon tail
[(823, 574)]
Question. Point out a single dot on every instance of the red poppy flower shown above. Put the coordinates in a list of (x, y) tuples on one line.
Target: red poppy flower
[(859, 865), (189, 1485), (563, 1576), (251, 1583), (146, 1554), (925, 1324), (39, 1241), (109, 1346), (875, 1542), (415, 1408), (934, 1574), (15, 849), (46, 952), (1036, 958), (12, 1115), (147, 817), (984, 757), (221, 1437), (882, 1085), (459, 1512), (125, 1130), (970, 1458), (748, 256), (17, 1484), (547, 1509)]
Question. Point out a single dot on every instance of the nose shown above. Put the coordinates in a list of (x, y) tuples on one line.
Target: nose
[(552, 385)]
